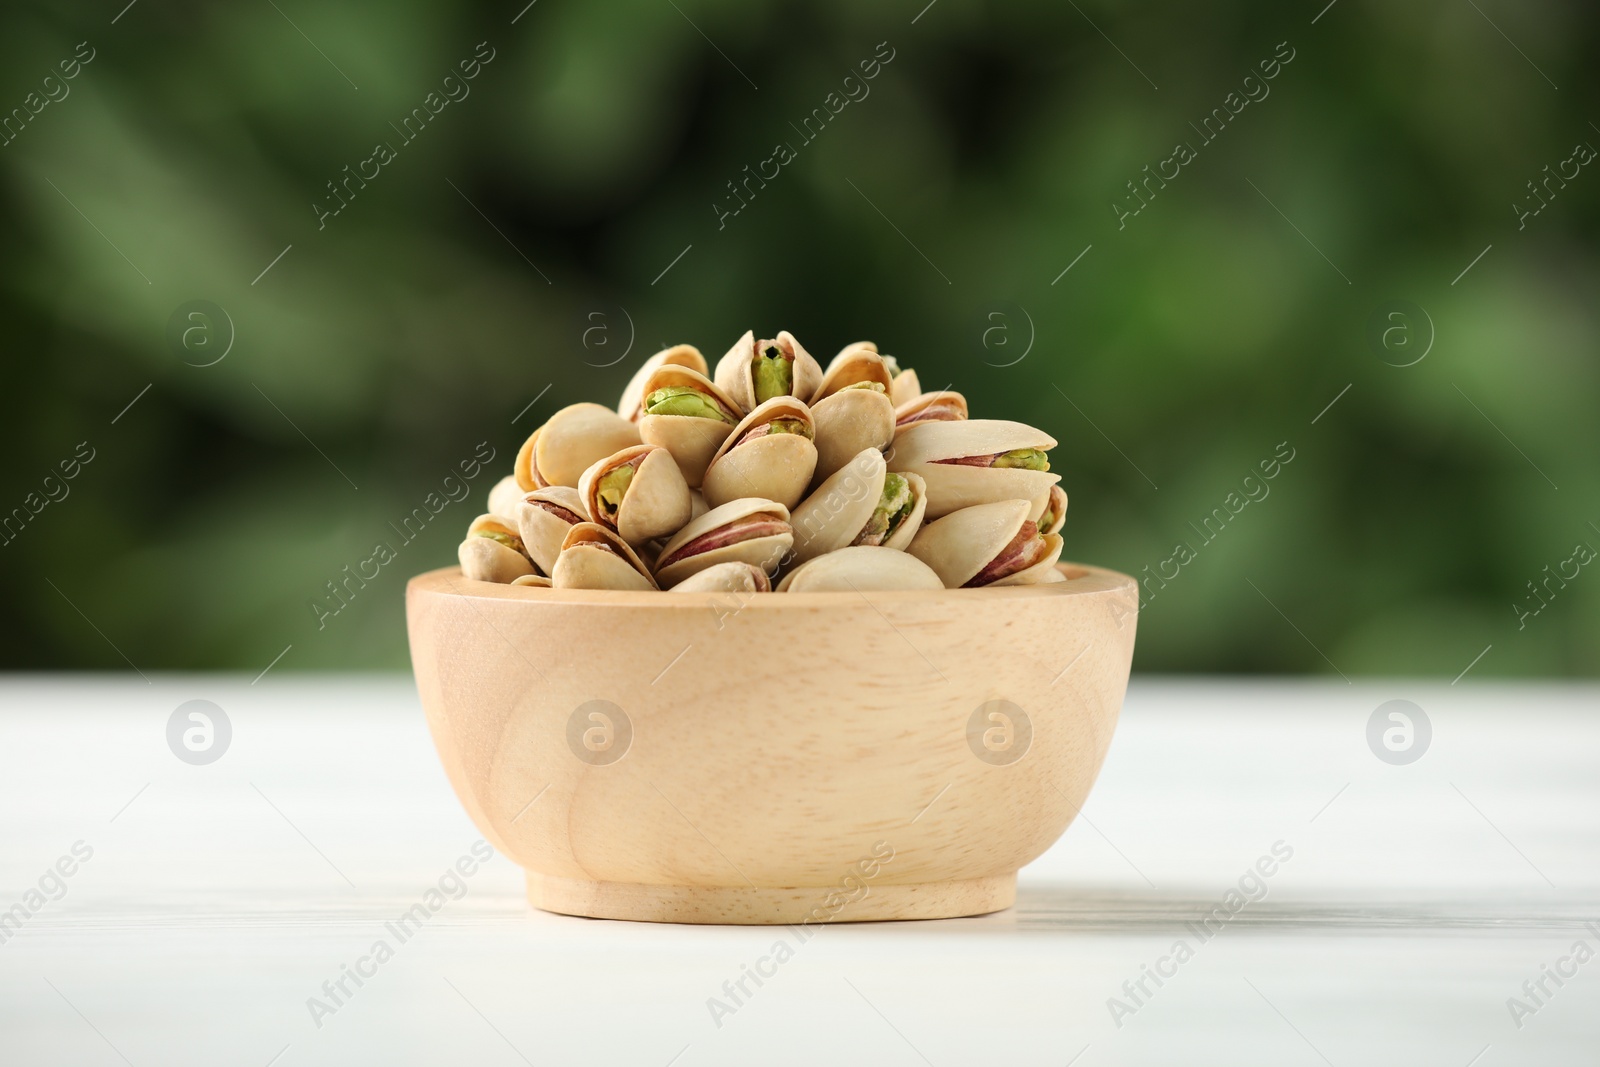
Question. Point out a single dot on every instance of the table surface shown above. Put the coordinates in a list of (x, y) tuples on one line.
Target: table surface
[(215, 901)]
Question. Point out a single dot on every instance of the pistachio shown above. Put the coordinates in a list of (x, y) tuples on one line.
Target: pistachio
[(639, 492), (753, 372), (940, 406), (537, 581), (505, 496), (987, 544), (731, 577), (769, 454), (1053, 511), (558, 452), (686, 401), (975, 461), (543, 518), (750, 530), (860, 569), (859, 504), (632, 402), (493, 552), (688, 416), (595, 557)]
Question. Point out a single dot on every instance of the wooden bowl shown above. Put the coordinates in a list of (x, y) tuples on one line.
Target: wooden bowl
[(772, 758)]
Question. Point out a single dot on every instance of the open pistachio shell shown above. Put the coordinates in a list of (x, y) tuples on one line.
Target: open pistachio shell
[(544, 517), (750, 530), (484, 560), (842, 510), (860, 569), (906, 387), (505, 496), (961, 544), (558, 452), (691, 438), (921, 447), (1050, 511), (493, 551), (846, 423), (1042, 571), (726, 578), (855, 368), (940, 406), (850, 349), (653, 501), (537, 581), (678, 356), (594, 557), (777, 466), (742, 375)]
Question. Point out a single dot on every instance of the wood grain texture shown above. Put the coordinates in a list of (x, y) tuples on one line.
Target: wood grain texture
[(773, 747)]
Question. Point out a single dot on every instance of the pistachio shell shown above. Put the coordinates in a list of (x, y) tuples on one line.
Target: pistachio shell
[(778, 466), (505, 496), (765, 551), (836, 515), (726, 578), (543, 531), (697, 504), (906, 387), (961, 544), (860, 568), (832, 516), (484, 559), (849, 349), (852, 367), (1055, 501), (594, 557), (955, 486), (558, 452), (947, 406), (537, 581), (1038, 573), (678, 356), (656, 502), (848, 422), (691, 440), (735, 376)]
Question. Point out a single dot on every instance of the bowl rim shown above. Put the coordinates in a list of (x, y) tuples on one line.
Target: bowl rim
[(1084, 579)]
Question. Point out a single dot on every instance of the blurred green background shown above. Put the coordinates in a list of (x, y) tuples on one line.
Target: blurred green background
[(521, 242)]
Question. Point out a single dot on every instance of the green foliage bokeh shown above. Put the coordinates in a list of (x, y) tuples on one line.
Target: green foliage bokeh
[(517, 245)]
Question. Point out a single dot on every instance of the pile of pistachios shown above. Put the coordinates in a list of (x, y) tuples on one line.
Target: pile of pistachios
[(771, 473)]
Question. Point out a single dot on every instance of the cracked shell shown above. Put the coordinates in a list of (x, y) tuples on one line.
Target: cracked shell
[(678, 356), (692, 439), (925, 448), (726, 578), (544, 517), (654, 500), (558, 452), (594, 557), (750, 530), (777, 466), (963, 545), (736, 373), (836, 515)]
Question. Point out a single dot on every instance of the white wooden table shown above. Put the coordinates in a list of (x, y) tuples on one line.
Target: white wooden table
[(219, 899)]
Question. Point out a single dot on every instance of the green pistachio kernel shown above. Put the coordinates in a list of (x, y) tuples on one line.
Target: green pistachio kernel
[(774, 374), (511, 541), (894, 507), (789, 426), (1028, 459), (684, 400), (1046, 519), (613, 485)]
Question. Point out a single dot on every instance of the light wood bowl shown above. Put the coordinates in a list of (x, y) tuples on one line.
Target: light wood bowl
[(772, 758)]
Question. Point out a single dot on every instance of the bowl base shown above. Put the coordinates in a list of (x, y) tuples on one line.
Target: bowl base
[(769, 906)]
